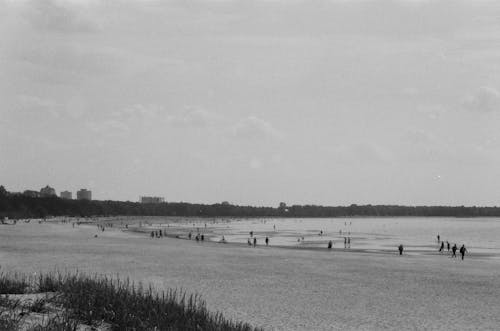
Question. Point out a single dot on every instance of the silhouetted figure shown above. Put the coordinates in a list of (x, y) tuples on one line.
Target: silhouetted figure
[(197, 237), (439, 237), (462, 251), (202, 237), (348, 242), (454, 250), (400, 248), (267, 241), (251, 233), (249, 242), (330, 244), (152, 234), (448, 246), (321, 233), (254, 241), (345, 242), (441, 247), (190, 235)]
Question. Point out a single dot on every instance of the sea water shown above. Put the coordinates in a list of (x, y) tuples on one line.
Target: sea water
[(417, 234)]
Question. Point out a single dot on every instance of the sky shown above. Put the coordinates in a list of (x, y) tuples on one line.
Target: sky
[(253, 102)]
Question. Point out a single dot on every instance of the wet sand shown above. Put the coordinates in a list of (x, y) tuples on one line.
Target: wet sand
[(276, 288)]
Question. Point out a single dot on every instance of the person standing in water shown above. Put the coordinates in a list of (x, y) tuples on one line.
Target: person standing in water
[(400, 248), (462, 251), (267, 241)]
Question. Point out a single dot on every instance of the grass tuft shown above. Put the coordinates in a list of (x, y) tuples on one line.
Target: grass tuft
[(121, 304)]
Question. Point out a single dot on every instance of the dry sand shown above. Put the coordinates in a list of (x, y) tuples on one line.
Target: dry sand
[(278, 289)]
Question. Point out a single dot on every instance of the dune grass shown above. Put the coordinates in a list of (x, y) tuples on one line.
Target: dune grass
[(120, 304)]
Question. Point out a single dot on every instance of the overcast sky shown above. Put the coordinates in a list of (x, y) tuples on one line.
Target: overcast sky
[(318, 102)]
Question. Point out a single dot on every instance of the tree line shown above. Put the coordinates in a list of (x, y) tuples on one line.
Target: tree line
[(17, 206)]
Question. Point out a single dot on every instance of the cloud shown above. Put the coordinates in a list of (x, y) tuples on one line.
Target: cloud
[(140, 110), (193, 118), (255, 128), (485, 100), (432, 112), (108, 126), (362, 153), (59, 16), (419, 137), (31, 103)]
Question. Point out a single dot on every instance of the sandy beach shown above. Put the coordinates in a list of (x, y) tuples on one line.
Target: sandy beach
[(275, 288)]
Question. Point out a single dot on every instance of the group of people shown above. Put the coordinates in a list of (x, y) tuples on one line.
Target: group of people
[(158, 234), (253, 242), (454, 248), (198, 237)]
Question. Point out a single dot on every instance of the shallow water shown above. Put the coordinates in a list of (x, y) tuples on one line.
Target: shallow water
[(417, 234)]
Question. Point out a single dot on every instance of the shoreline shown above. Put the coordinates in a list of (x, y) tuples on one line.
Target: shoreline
[(411, 253)]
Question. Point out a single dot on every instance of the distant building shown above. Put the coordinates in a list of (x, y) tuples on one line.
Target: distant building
[(31, 194), (66, 195), (84, 194), (47, 191), (152, 199)]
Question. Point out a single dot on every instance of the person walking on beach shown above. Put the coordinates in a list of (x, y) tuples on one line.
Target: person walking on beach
[(190, 235), (400, 248), (454, 251), (254, 241), (249, 242), (442, 246), (448, 245), (439, 237), (267, 241), (330, 244), (348, 242), (345, 242), (462, 251)]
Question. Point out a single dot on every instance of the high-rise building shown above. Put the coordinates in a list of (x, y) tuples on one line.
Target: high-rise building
[(152, 200), (66, 195), (84, 194), (47, 191)]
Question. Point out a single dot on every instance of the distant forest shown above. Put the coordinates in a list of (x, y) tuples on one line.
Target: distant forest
[(17, 206)]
